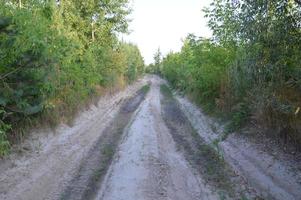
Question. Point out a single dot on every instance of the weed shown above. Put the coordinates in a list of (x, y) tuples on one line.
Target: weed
[(165, 90), (4, 128), (108, 149), (238, 118), (145, 88), (213, 127)]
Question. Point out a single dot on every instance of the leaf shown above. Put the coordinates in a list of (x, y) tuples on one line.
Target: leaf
[(3, 101), (19, 93), (4, 23), (33, 109), (297, 111)]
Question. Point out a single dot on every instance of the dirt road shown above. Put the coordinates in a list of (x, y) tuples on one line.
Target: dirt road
[(139, 144), (148, 165)]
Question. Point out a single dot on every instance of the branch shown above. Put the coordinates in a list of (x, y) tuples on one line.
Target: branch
[(9, 73), (298, 2)]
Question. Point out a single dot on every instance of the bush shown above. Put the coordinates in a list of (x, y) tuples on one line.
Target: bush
[(251, 66), (4, 144), (52, 60), (199, 69)]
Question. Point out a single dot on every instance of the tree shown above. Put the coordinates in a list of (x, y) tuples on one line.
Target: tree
[(157, 61), (251, 66), (56, 54)]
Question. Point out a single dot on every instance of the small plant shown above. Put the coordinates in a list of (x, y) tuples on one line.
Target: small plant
[(166, 91), (145, 88), (239, 118), (4, 128)]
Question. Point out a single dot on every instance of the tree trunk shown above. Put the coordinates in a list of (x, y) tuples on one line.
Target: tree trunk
[(93, 32)]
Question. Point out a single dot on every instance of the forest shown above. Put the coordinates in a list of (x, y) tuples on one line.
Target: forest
[(56, 56), (249, 71)]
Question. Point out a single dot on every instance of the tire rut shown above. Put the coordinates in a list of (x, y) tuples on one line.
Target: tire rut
[(202, 157), (148, 165), (93, 167)]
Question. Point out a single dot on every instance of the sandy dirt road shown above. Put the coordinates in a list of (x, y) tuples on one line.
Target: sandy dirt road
[(272, 174), (148, 165)]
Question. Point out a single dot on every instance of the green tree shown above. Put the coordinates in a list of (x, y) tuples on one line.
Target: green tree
[(55, 55), (134, 61), (251, 66), (157, 61)]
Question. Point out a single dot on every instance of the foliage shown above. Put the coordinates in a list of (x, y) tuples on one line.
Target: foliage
[(157, 59), (250, 68), (4, 144), (155, 67), (198, 69), (134, 62), (55, 55)]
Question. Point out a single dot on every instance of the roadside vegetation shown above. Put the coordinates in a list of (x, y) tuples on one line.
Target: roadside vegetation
[(55, 56), (250, 70)]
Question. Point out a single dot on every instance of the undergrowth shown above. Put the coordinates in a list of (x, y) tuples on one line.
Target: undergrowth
[(145, 88)]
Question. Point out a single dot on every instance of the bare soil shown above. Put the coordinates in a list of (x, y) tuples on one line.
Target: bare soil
[(148, 165), (271, 173), (88, 178), (214, 170)]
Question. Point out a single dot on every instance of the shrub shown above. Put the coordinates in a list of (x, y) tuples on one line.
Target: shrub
[(55, 56), (251, 66)]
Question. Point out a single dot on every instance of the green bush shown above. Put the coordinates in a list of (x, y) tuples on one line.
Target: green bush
[(250, 67), (55, 57), (199, 69), (4, 144)]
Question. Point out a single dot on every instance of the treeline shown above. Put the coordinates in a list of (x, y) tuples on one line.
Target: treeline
[(250, 69), (55, 55)]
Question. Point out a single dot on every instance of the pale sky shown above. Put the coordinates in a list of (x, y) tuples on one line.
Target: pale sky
[(164, 23)]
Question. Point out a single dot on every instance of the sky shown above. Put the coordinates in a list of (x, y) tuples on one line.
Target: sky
[(164, 23)]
